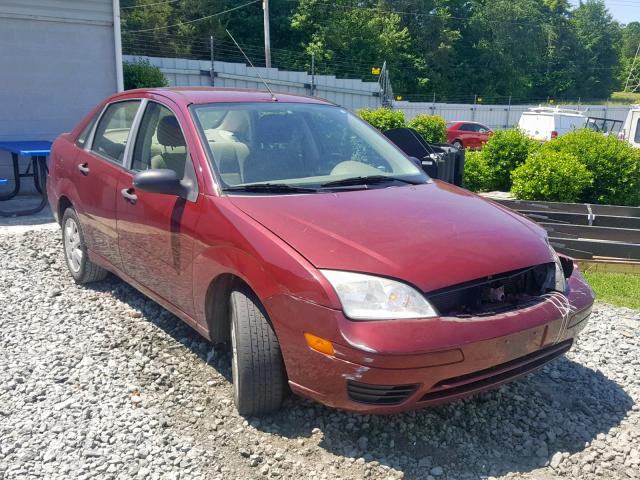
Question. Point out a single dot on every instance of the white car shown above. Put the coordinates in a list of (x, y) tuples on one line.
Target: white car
[(544, 123), (630, 130)]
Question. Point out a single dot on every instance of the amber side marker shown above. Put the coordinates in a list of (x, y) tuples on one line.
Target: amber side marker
[(319, 344)]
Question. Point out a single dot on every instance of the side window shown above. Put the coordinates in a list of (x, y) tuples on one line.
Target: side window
[(636, 137), (160, 142), (465, 127), (81, 141), (113, 129)]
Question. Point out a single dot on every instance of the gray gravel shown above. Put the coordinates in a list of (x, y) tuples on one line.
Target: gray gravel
[(100, 382)]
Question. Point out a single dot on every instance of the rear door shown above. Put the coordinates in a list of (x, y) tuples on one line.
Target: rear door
[(156, 231), (96, 173)]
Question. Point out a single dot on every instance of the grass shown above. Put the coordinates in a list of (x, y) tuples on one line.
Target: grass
[(619, 289), (625, 98)]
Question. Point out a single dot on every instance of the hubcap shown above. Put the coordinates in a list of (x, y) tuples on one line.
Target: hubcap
[(72, 245), (234, 360)]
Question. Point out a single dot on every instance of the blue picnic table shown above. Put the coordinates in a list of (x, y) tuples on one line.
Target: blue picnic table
[(37, 151)]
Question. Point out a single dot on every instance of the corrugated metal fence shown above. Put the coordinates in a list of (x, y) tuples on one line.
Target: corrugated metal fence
[(497, 116), (351, 94)]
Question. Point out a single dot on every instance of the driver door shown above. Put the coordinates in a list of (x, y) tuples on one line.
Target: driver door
[(156, 231)]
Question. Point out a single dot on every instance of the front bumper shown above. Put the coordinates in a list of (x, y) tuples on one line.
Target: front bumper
[(392, 366)]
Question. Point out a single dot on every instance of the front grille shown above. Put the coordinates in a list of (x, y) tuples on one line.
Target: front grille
[(379, 394), (494, 294), (494, 375)]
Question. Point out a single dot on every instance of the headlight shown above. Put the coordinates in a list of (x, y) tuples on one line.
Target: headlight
[(365, 297)]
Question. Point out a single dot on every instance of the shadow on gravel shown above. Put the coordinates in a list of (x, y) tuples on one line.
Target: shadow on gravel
[(516, 428), (165, 320)]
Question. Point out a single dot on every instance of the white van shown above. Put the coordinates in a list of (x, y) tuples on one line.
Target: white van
[(630, 130), (545, 123)]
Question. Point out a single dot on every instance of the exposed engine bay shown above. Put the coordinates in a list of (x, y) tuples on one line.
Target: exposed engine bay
[(496, 293)]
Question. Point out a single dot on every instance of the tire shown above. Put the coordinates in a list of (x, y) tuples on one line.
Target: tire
[(257, 367), (81, 268), (458, 144)]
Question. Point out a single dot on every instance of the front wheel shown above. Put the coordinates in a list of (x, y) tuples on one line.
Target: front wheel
[(81, 268), (257, 368), (458, 144)]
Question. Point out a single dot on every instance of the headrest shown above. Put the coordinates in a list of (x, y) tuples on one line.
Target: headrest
[(169, 134), (276, 129)]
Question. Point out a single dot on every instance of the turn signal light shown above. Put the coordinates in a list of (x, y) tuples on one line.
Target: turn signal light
[(319, 344)]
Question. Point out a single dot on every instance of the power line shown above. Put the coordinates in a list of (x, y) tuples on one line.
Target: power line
[(197, 19)]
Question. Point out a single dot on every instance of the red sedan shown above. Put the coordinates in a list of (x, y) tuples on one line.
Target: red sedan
[(470, 135), (295, 232)]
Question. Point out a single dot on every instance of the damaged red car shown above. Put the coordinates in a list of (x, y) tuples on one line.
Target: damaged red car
[(329, 262)]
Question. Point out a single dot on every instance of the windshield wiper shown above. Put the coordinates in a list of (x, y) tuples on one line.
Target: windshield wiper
[(269, 188), (367, 180)]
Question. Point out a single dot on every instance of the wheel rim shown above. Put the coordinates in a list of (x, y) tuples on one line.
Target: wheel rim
[(72, 245), (234, 361)]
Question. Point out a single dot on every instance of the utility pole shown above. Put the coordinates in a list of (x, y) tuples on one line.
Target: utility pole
[(267, 38), (212, 72), (313, 74)]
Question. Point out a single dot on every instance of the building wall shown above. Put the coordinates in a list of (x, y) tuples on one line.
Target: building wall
[(57, 61)]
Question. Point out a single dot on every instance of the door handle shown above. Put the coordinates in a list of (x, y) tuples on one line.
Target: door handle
[(128, 194), (84, 168)]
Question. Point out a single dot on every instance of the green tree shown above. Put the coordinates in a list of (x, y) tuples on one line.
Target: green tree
[(348, 41), (597, 59)]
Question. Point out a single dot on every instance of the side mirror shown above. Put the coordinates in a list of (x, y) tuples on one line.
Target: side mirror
[(160, 180)]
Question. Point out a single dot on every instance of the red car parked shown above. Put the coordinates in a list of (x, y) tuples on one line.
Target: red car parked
[(470, 135), (300, 235)]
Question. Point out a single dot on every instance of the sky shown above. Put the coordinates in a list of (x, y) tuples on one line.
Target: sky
[(624, 11)]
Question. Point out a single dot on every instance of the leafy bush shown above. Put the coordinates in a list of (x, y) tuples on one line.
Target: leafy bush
[(551, 176), (432, 127), (141, 74), (504, 152), (477, 174), (382, 118), (614, 164)]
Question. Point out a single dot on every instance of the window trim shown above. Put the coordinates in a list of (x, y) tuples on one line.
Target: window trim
[(189, 172), (89, 144), (89, 127)]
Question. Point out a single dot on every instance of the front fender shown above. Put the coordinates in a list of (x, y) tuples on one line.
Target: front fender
[(251, 252)]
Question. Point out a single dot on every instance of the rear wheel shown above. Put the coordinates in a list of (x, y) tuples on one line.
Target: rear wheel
[(257, 368), (458, 144), (81, 268)]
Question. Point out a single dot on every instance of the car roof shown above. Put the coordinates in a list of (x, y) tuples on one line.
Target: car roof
[(201, 95)]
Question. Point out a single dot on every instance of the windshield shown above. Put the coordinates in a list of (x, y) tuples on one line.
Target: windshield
[(299, 147)]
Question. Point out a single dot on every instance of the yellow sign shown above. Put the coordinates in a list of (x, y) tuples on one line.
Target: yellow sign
[(375, 70), (398, 97)]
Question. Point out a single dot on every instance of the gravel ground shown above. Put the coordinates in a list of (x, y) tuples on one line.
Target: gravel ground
[(100, 382)]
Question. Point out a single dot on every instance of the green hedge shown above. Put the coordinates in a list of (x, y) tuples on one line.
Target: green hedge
[(551, 176), (432, 127), (504, 152), (477, 174), (613, 163), (383, 118), (141, 74)]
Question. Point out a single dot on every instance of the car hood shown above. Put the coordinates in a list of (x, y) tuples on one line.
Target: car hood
[(432, 235)]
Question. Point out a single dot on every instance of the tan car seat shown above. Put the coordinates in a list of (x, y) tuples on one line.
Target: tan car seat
[(170, 137)]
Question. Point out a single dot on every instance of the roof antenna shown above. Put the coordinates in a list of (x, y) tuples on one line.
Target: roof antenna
[(273, 95)]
